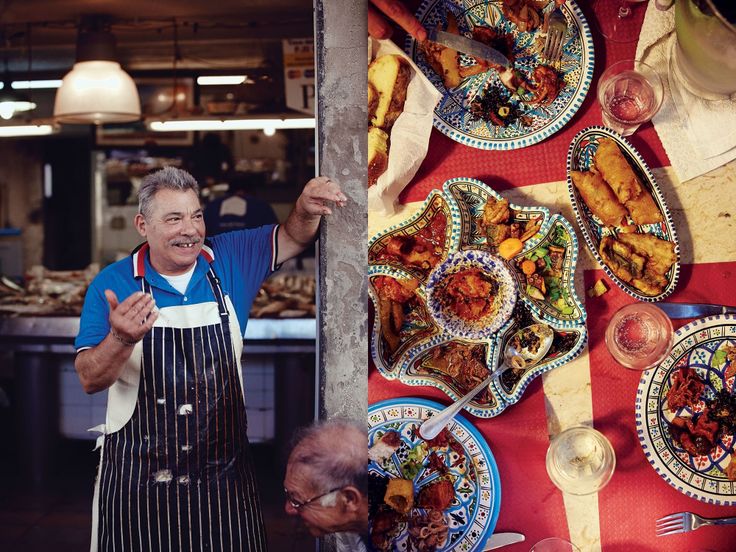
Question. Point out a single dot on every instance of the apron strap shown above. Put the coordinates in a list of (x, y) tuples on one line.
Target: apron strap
[(219, 296), (216, 289)]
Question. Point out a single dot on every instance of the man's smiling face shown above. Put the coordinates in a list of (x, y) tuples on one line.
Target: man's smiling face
[(174, 229)]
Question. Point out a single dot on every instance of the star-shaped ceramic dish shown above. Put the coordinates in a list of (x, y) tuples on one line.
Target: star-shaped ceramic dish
[(451, 220)]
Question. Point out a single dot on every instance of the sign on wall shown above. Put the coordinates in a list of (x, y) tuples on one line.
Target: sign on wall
[(299, 74)]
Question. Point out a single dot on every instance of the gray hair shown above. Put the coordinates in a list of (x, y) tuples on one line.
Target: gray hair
[(335, 452), (168, 178)]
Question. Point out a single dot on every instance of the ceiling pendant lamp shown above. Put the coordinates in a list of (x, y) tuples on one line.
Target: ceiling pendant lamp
[(96, 90)]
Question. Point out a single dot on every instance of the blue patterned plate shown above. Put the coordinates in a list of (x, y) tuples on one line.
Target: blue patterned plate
[(452, 114), (701, 346), (473, 513), (580, 158), (425, 340), (503, 301)]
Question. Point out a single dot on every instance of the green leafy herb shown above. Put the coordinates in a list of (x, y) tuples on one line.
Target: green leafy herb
[(719, 358)]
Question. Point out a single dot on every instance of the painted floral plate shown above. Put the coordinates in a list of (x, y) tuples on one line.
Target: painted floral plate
[(702, 346), (580, 157), (411, 345), (465, 459), (536, 122)]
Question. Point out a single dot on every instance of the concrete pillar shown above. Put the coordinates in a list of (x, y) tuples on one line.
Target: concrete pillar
[(342, 360)]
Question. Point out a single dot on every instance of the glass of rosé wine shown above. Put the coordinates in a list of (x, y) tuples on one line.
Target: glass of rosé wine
[(639, 336), (630, 93)]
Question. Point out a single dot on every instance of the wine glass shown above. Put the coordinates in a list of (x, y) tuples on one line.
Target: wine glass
[(639, 336), (630, 93), (554, 544), (580, 460), (616, 19)]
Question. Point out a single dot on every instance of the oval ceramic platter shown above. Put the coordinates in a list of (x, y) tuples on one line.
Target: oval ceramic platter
[(700, 345), (452, 114), (467, 460), (427, 349), (580, 157)]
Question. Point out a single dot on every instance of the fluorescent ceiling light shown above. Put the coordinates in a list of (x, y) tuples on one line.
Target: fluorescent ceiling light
[(230, 124), (34, 84), (221, 80), (25, 130), (8, 108)]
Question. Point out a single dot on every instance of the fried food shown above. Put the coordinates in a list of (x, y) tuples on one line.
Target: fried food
[(661, 253), (641, 260), (377, 154), (400, 495), (643, 210), (599, 197), (389, 75), (610, 162)]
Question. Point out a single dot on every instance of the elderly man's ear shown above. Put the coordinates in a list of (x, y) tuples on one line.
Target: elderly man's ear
[(353, 498)]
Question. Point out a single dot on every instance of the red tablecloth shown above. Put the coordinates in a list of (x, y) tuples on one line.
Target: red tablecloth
[(518, 437)]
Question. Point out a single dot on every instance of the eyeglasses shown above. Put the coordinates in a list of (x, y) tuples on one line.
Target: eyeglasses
[(297, 505)]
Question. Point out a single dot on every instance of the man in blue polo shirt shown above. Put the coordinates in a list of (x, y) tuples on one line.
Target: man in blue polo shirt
[(162, 330)]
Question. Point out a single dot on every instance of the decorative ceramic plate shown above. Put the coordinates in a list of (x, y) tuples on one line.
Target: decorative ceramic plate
[(473, 513), (449, 222), (452, 114), (504, 297), (580, 158), (701, 346)]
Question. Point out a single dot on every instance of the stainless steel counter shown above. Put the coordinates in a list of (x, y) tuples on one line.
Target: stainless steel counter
[(39, 344), (55, 334)]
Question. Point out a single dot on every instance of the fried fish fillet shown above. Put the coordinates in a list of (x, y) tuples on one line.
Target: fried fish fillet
[(661, 253), (643, 210), (599, 197), (641, 260), (610, 162)]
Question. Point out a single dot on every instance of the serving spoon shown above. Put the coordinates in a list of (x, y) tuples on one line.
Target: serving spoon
[(523, 358)]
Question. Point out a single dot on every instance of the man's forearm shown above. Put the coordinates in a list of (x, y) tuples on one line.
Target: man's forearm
[(99, 367), (299, 230)]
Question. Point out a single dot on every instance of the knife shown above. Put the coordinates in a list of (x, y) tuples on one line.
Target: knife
[(468, 46), (693, 310), (498, 540)]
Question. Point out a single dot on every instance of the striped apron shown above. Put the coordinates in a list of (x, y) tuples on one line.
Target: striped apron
[(178, 475)]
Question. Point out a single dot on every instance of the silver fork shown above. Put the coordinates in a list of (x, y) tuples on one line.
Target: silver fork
[(683, 522), (555, 37)]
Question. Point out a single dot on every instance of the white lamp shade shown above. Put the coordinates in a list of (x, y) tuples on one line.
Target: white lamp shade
[(97, 92)]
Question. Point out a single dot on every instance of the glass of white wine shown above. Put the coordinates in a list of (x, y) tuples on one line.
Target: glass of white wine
[(554, 544), (618, 20), (580, 460)]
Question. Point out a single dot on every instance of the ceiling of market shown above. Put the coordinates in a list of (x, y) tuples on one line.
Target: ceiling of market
[(213, 35)]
